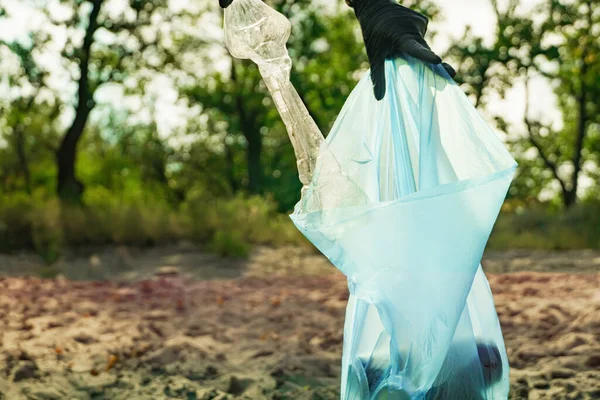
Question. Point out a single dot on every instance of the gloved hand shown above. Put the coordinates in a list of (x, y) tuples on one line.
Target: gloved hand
[(225, 3), (389, 30)]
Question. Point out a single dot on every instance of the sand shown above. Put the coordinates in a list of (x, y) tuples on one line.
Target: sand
[(271, 330)]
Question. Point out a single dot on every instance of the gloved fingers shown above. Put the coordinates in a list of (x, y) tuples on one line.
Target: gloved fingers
[(378, 78), (449, 69), (225, 3), (419, 49)]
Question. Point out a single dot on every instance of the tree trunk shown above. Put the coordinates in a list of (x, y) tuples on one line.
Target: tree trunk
[(68, 186), (579, 141), (253, 156), (251, 132), (569, 198), (233, 184), (21, 154)]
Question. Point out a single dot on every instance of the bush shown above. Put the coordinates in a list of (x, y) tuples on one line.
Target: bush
[(253, 220), (227, 226), (136, 219), (29, 224), (577, 228), (47, 231), (229, 244), (230, 226), (585, 220), (16, 231)]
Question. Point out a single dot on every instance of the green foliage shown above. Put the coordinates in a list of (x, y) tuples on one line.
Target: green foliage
[(47, 234), (225, 177), (560, 44), (229, 244), (227, 226), (26, 224), (231, 226), (135, 218), (249, 219), (48, 272), (16, 230), (543, 228)]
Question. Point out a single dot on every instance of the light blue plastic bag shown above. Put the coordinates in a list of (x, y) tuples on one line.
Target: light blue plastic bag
[(421, 321)]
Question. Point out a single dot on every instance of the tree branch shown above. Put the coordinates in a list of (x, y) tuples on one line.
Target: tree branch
[(583, 117), (83, 89), (496, 9), (531, 135)]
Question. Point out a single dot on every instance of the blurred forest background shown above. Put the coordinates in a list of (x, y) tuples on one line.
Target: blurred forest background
[(126, 121)]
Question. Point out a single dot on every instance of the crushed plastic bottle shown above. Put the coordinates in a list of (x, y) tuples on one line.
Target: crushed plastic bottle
[(255, 31)]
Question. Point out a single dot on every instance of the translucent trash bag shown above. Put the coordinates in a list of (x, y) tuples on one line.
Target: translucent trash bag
[(429, 177)]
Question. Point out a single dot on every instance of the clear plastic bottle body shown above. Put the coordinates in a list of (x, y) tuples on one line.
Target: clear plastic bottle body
[(255, 31)]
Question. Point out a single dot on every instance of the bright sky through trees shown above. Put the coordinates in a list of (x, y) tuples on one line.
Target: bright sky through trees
[(456, 16)]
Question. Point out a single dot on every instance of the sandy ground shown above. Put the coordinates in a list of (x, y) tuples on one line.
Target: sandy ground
[(266, 328), (130, 265)]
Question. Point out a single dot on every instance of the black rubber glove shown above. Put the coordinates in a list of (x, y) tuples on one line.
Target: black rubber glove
[(390, 30), (225, 3)]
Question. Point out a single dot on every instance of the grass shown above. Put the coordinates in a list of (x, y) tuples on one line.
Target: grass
[(538, 228), (231, 226)]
